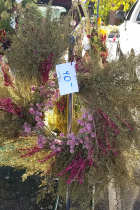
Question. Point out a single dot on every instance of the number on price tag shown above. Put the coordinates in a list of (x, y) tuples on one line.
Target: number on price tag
[(67, 78)]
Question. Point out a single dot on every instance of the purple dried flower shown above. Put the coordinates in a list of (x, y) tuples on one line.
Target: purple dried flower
[(79, 121), (84, 115), (32, 111), (37, 118), (93, 135), (90, 117), (72, 151), (62, 134), (82, 131), (89, 126), (32, 88)]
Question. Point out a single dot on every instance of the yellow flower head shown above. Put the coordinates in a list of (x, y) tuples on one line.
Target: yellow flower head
[(101, 31), (99, 21)]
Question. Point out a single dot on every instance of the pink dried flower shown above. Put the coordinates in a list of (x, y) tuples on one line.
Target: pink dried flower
[(37, 118), (81, 141), (68, 142), (54, 75), (46, 109), (52, 83), (72, 151), (39, 108), (82, 123), (57, 94), (41, 140), (32, 88), (32, 111), (53, 147), (82, 131), (85, 129), (72, 141), (42, 87), (40, 124), (90, 117), (60, 142), (87, 138), (76, 143), (59, 149), (73, 138), (87, 146), (50, 103), (37, 112), (79, 121), (72, 146), (115, 153), (89, 126), (40, 144), (84, 115), (62, 134), (93, 135), (27, 129)]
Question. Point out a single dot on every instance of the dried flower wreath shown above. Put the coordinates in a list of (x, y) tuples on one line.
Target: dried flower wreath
[(108, 124)]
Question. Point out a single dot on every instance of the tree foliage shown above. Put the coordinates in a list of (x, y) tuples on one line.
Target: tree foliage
[(106, 5)]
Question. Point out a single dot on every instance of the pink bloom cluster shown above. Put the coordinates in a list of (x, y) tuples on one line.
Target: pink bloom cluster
[(38, 109), (37, 115), (7, 105), (27, 128), (56, 145), (87, 124), (37, 112), (85, 141), (49, 93), (86, 133), (41, 141)]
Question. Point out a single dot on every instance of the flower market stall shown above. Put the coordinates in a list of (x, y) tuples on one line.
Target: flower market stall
[(34, 83)]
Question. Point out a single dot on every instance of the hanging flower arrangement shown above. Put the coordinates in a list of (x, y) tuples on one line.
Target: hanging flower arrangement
[(108, 125)]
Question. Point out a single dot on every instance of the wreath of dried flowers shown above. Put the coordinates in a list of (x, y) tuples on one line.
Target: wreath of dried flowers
[(108, 124)]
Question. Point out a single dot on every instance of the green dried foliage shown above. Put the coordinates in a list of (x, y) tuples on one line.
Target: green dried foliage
[(46, 37), (113, 89), (7, 9), (34, 42)]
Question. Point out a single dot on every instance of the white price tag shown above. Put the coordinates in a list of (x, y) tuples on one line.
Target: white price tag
[(18, 1), (86, 43), (67, 78)]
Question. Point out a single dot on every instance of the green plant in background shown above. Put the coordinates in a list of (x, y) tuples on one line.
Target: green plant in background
[(106, 5)]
